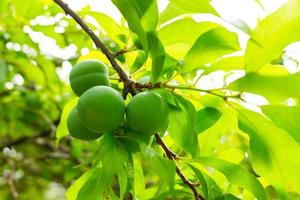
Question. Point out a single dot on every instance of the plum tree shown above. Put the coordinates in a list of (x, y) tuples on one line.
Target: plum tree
[(101, 109), (147, 113), (87, 74), (77, 129)]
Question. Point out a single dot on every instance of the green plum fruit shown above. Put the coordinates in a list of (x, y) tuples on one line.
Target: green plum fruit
[(101, 109), (77, 129), (87, 74), (147, 113)]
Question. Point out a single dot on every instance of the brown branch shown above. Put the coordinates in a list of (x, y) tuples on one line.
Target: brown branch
[(121, 52), (99, 44), (129, 86), (173, 156), (10, 180)]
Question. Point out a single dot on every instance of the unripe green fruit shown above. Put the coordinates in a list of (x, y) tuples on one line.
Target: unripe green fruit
[(87, 74), (101, 109), (77, 129), (147, 113)]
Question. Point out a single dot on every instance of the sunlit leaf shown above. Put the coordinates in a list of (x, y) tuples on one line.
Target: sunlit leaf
[(73, 190), (179, 7), (142, 18), (180, 31), (271, 149), (206, 118), (236, 175), (274, 88), (210, 188), (165, 169), (210, 46), (62, 129), (181, 126), (285, 117), (157, 52), (139, 180), (272, 35), (109, 25), (226, 64)]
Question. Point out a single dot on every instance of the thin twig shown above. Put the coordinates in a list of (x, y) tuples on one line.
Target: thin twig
[(123, 51), (99, 44), (10, 180), (129, 85), (173, 156), (202, 90)]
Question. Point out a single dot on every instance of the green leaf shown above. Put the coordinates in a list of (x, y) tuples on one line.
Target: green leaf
[(142, 17), (181, 126), (271, 87), (30, 71), (226, 64), (182, 37), (108, 24), (169, 67), (139, 180), (62, 129), (51, 77), (206, 118), (285, 117), (273, 152), (95, 186), (272, 35), (180, 31), (210, 46), (165, 169), (111, 158), (228, 197), (210, 188), (123, 181), (73, 190), (194, 6), (138, 62), (179, 7), (157, 52), (3, 73), (236, 175)]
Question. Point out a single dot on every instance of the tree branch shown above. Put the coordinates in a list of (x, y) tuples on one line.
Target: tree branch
[(173, 156), (129, 86), (99, 44), (10, 180)]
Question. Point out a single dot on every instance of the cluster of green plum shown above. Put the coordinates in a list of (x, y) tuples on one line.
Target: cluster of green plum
[(102, 109)]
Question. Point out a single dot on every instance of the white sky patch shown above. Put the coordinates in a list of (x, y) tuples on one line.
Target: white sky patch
[(64, 71), (254, 99), (272, 5), (49, 46), (246, 10), (18, 80), (84, 51), (9, 85)]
